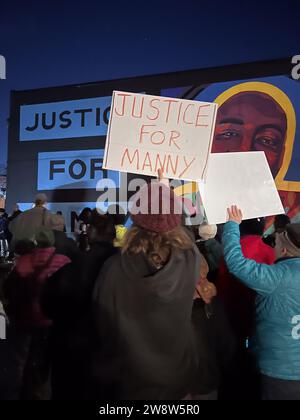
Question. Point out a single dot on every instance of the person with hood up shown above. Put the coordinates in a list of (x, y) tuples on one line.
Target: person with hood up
[(23, 289), (143, 302)]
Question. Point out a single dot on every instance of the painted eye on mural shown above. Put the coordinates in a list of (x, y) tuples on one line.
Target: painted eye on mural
[(228, 135), (268, 142)]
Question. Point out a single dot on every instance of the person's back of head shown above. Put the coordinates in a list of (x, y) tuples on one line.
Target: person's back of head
[(101, 228), (280, 223), (253, 227), (288, 242), (156, 246), (40, 200)]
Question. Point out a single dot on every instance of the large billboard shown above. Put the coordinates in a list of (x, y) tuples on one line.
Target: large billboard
[(57, 135)]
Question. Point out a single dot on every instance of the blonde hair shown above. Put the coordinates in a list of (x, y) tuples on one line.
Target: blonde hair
[(156, 246)]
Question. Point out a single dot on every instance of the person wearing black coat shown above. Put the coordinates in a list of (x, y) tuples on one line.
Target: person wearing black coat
[(67, 300), (216, 348)]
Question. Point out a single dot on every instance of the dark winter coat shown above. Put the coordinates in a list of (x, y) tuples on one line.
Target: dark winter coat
[(143, 320)]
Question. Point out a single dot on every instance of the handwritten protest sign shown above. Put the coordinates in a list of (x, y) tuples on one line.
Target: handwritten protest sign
[(147, 133), (244, 179)]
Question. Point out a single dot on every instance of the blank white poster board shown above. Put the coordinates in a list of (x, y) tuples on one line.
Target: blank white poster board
[(243, 179), (147, 133)]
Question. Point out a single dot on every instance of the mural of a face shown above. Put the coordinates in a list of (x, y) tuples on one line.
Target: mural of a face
[(252, 121)]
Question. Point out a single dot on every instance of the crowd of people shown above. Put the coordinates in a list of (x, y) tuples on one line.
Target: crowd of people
[(158, 311)]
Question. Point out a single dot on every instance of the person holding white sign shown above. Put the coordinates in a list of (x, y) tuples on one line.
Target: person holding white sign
[(276, 341)]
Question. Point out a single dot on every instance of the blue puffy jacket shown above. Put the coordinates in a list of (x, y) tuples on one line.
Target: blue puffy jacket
[(277, 338)]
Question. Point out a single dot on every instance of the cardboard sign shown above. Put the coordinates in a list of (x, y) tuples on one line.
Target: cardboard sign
[(147, 133), (243, 179)]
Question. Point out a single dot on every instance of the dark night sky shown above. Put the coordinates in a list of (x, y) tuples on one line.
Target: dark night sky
[(49, 43)]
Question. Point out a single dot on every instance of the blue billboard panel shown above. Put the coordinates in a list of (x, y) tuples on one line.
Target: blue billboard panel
[(75, 169), (68, 119)]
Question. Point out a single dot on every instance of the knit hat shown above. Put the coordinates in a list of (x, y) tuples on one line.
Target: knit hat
[(290, 239), (44, 237), (207, 232), (155, 207)]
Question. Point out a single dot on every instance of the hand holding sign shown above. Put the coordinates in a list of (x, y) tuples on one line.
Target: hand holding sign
[(235, 215)]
